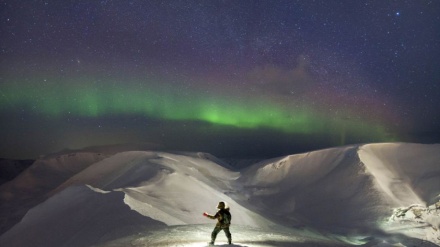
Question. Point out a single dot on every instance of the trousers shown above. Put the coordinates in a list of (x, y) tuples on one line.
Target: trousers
[(217, 229)]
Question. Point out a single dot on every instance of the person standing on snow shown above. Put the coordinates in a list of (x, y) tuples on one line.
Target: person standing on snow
[(223, 217)]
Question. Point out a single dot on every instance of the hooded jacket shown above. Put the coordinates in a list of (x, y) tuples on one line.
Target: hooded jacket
[(223, 217)]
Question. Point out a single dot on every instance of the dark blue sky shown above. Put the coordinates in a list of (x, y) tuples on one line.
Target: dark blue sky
[(234, 78)]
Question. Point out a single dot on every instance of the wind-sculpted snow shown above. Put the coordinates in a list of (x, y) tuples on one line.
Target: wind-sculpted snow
[(408, 173), (335, 196), (45, 173), (172, 188), (326, 189), (417, 221), (31, 187), (344, 189), (87, 217)]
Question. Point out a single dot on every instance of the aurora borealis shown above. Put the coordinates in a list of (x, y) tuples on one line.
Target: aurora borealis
[(63, 99), (222, 76)]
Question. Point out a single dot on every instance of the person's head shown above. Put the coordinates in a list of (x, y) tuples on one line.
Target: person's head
[(221, 205)]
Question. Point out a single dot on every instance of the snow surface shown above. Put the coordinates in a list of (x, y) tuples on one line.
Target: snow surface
[(371, 195)]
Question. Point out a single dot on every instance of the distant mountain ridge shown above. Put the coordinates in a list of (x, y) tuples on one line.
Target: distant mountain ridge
[(9, 169)]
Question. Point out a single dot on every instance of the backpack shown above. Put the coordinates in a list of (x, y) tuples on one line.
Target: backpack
[(226, 217)]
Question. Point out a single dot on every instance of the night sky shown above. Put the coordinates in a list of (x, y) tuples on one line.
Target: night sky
[(234, 78)]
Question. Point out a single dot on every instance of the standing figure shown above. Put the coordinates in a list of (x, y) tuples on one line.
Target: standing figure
[(223, 217)]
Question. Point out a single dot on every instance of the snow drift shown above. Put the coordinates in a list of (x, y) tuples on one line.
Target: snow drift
[(347, 195)]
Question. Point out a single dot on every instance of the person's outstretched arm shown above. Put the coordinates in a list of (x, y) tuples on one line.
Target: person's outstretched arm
[(209, 215)]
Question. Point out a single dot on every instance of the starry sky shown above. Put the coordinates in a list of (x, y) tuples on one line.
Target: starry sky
[(244, 79)]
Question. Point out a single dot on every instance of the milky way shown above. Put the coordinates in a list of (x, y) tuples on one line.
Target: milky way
[(268, 78)]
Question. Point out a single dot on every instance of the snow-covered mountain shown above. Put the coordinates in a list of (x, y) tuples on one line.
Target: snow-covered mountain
[(376, 194)]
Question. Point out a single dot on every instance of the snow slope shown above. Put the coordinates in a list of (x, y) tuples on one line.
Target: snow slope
[(85, 220), (164, 186), (30, 187), (342, 195), (326, 189), (348, 190), (407, 173)]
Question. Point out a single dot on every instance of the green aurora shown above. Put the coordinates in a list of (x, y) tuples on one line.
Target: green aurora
[(82, 98)]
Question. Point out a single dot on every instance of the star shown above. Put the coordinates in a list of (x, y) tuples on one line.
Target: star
[(225, 70)]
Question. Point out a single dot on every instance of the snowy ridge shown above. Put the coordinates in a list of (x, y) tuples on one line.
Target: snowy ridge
[(85, 216), (56, 167), (348, 191), (316, 189), (30, 187), (412, 171), (158, 185), (352, 187)]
